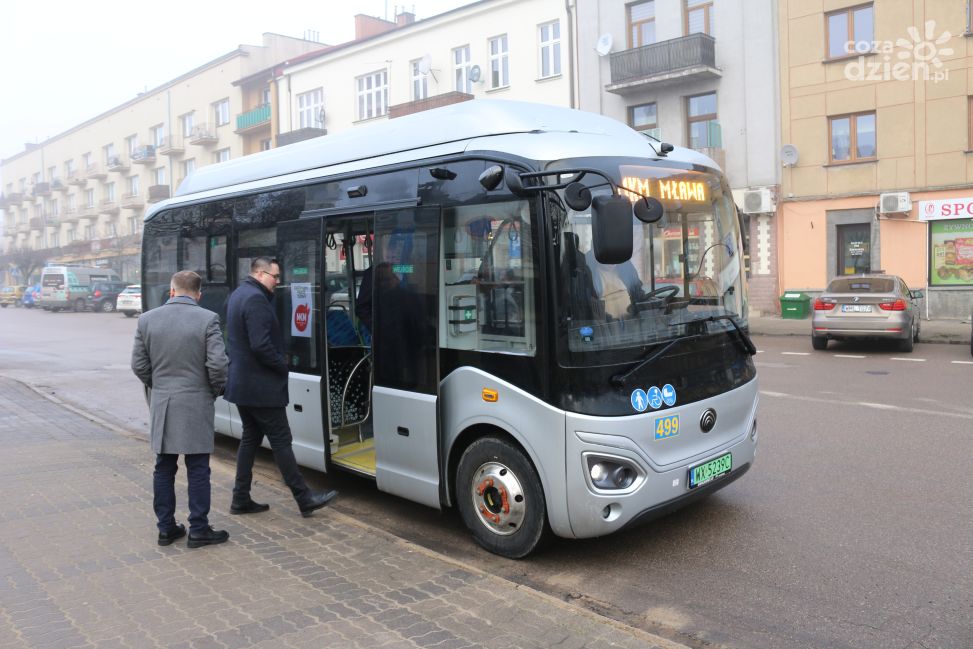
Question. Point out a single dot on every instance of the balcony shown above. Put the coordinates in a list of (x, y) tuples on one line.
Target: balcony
[(144, 155), (158, 193), (203, 135), (253, 119), (23, 227), (70, 215), (436, 101), (37, 222), (689, 58), (117, 163), (58, 185), (171, 145), (75, 178), (15, 198), (41, 189), (132, 201), (108, 206), (95, 171)]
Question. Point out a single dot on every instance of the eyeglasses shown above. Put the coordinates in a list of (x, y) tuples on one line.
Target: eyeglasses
[(274, 275)]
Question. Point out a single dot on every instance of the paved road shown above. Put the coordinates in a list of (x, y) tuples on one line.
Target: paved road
[(851, 531)]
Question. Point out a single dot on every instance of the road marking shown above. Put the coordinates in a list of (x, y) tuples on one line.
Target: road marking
[(796, 353), (848, 356), (760, 351), (878, 406), (913, 360), (962, 362)]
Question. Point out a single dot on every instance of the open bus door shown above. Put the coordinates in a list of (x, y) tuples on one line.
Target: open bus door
[(405, 304)]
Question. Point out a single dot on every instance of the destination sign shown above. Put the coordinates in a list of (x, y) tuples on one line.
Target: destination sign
[(682, 188)]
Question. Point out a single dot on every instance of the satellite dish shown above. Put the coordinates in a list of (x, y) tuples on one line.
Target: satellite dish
[(604, 46), (789, 155), (474, 73), (425, 64)]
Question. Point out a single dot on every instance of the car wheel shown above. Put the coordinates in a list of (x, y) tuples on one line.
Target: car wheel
[(500, 498), (107, 306), (4, 305), (79, 305), (129, 314), (819, 342), (916, 336), (907, 345)]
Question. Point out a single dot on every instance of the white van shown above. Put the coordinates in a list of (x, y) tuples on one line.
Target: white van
[(66, 287)]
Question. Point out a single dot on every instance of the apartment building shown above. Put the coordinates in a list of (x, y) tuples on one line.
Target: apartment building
[(877, 119), (79, 196), (702, 74)]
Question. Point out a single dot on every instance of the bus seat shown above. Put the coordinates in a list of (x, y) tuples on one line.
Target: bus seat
[(340, 328), (349, 384)]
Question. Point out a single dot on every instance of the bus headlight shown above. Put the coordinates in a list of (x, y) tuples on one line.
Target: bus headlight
[(612, 473)]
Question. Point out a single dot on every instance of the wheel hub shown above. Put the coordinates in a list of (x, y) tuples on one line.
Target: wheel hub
[(498, 498)]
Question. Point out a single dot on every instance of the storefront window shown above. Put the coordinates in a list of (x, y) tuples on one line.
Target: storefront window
[(854, 249), (951, 254)]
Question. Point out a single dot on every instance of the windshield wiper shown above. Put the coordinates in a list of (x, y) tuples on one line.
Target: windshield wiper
[(619, 380)]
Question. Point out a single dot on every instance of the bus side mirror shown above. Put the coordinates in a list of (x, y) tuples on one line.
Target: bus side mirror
[(611, 229)]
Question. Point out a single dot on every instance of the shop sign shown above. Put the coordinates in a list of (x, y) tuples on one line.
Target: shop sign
[(951, 258), (950, 208)]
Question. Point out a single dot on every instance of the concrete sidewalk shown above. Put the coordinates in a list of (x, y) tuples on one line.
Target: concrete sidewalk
[(930, 331), (79, 564)]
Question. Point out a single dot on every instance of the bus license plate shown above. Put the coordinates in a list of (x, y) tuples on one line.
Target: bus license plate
[(709, 471)]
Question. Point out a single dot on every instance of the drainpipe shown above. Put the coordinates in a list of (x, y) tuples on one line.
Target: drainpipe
[(571, 48)]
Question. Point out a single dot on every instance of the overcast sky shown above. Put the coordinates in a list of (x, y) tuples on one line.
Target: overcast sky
[(66, 62)]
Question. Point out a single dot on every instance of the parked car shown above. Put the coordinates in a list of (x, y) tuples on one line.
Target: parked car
[(866, 306), (32, 296), (129, 301), (11, 295), (102, 296)]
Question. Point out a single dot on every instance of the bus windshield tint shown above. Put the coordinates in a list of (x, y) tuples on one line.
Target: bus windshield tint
[(687, 265)]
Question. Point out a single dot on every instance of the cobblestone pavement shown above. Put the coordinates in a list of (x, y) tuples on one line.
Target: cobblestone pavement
[(80, 567)]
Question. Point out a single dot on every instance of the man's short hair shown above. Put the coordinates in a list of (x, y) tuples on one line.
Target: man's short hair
[(262, 263), (187, 282)]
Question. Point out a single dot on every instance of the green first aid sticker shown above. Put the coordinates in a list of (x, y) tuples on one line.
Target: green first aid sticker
[(666, 427)]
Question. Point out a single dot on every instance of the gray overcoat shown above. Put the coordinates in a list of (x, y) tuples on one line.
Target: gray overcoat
[(179, 354)]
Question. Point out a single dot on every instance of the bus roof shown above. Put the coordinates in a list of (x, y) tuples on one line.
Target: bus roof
[(439, 131)]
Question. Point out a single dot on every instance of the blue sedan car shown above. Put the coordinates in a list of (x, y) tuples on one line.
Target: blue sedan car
[(31, 295)]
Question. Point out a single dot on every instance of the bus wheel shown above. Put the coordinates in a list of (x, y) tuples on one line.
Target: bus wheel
[(500, 498), (79, 305)]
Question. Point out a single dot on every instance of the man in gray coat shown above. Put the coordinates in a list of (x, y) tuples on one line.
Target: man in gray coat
[(179, 355)]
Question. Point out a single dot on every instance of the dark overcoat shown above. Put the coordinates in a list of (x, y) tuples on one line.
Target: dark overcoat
[(179, 354), (258, 365)]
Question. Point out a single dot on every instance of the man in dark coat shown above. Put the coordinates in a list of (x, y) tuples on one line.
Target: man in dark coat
[(179, 354), (258, 386)]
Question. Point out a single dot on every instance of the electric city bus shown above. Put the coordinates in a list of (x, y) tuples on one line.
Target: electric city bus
[(532, 314)]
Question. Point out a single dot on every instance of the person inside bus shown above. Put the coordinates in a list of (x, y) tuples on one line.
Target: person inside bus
[(179, 354), (257, 384), (401, 332)]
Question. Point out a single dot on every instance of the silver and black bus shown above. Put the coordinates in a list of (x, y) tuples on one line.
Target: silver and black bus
[(532, 314)]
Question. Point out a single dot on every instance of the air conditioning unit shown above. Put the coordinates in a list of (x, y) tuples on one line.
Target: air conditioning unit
[(758, 201), (895, 203)]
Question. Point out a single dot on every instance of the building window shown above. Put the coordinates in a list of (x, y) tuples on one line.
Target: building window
[(265, 145), (704, 129), (221, 112), (89, 232), (109, 193), (133, 185), (641, 23), (698, 16), (131, 143), (51, 174), (499, 62), (160, 176), (110, 156), (188, 166), (461, 70), (550, 48), (110, 231), (265, 96), (644, 117), (420, 82), (69, 168), (72, 202), (72, 235), (85, 161), (89, 198), (849, 31), (373, 94), (133, 224), (188, 121), (55, 239), (158, 135), (222, 155), (310, 109), (852, 137)]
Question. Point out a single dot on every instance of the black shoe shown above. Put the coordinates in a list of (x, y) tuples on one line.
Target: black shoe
[(177, 532), (317, 501), (249, 507), (209, 537)]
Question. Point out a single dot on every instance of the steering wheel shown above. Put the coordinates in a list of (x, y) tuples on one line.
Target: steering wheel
[(662, 293)]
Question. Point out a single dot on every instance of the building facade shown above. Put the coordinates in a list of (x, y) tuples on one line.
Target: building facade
[(877, 108), (702, 74)]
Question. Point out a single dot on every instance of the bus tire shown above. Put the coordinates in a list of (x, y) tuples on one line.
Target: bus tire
[(501, 499), (79, 305)]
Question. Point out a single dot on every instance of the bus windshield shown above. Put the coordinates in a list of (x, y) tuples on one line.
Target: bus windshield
[(684, 268)]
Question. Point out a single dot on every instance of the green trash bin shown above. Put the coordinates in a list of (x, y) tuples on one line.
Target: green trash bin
[(795, 305)]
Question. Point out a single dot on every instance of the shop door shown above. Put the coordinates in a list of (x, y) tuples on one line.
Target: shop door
[(854, 249)]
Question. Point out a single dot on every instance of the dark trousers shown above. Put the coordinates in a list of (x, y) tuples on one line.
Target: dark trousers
[(272, 422), (164, 490)]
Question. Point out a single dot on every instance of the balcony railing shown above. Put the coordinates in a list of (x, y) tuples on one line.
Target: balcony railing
[(203, 134), (76, 178), (253, 118), (144, 155), (71, 214), (96, 171), (108, 206), (42, 189), (158, 193), (171, 144), (58, 185), (132, 201), (685, 58), (117, 163), (37, 222)]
